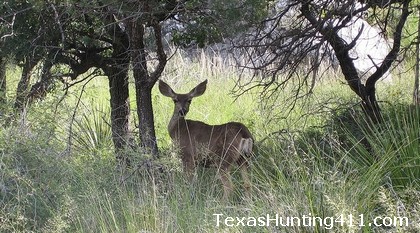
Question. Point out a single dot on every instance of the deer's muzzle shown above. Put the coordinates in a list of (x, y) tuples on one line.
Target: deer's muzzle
[(182, 112)]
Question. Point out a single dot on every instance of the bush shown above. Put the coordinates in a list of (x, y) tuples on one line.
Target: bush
[(33, 183)]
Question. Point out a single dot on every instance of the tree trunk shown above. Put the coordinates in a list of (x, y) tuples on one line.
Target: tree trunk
[(146, 118), (144, 84), (116, 68), (370, 104), (40, 89), (120, 111), (23, 85), (416, 95), (2, 81)]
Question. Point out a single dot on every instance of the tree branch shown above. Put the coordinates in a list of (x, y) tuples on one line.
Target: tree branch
[(341, 49), (392, 55), (162, 59)]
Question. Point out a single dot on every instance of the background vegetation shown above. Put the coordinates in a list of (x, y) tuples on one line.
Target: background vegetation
[(321, 158)]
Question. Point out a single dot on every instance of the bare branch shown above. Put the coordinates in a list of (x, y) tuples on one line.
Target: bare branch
[(60, 26), (392, 55), (162, 59), (341, 50), (11, 25)]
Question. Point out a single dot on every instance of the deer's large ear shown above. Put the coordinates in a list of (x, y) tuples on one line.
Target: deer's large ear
[(166, 90), (198, 90)]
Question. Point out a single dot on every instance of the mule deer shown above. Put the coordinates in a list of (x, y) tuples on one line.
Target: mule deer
[(206, 145)]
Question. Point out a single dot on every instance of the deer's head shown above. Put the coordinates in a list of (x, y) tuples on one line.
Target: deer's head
[(182, 101)]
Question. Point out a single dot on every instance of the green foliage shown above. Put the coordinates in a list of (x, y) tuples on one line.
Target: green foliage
[(215, 21), (30, 29)]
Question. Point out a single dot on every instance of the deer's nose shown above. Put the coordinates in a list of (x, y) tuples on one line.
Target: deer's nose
[(182, 112)]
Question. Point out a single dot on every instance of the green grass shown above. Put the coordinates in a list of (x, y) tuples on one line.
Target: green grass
[(321, 159)]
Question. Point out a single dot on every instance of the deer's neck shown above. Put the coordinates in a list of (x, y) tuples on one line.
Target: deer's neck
[(173, 124)]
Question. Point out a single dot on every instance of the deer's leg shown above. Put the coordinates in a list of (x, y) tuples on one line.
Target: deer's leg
[(245, 178), (226, 181), (188, 163), (189, 171)]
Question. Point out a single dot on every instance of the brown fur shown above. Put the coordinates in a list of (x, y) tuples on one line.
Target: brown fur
[(206, 145)]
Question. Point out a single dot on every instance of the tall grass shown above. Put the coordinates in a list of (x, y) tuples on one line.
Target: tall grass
[(309, 162)]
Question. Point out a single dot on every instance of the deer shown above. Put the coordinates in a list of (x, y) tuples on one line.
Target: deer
[(221, 146)]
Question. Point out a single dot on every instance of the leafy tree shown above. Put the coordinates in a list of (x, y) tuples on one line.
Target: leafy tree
[(26, 32), (107, 35), (52, 34), (214, 21)]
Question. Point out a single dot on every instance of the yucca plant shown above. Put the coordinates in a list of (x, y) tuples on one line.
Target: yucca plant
[(91, 132), (392, 146)]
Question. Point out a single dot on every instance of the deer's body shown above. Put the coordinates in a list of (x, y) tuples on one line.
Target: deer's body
[(220, 146)]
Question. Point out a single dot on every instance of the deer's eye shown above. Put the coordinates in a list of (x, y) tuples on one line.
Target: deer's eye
[(189, 101), (175, 100)]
